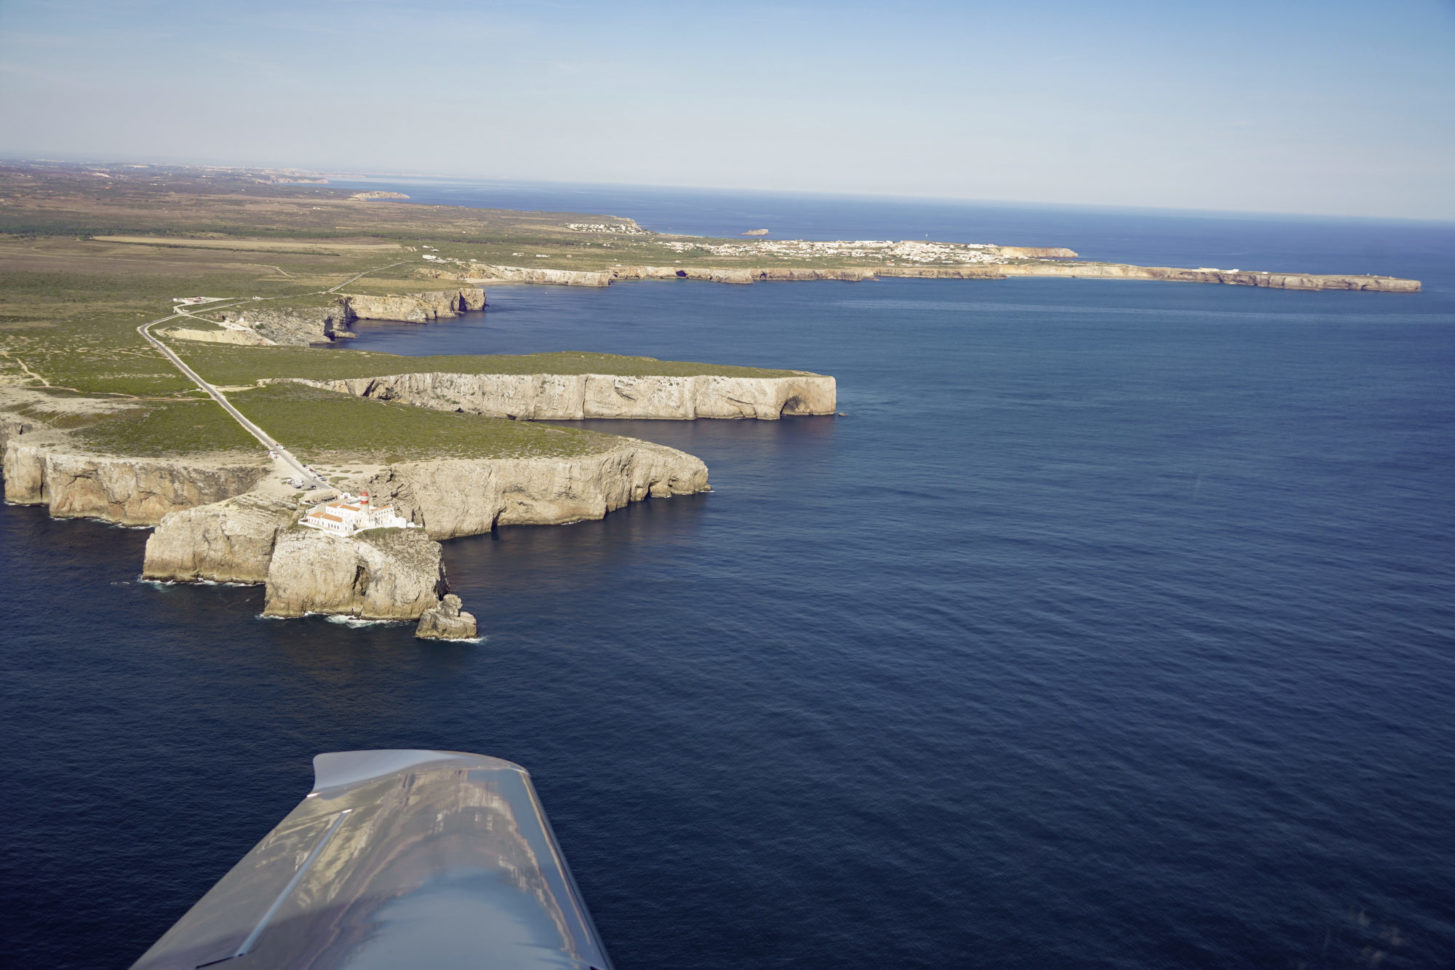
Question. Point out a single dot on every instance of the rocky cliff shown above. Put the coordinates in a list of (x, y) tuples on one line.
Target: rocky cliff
[(1041, 261), (414, 307), (1036, 252), (300, 326), (295, 326), (384, 574), (465, 497), (227, 542), (127, 491), (574, 397), (12, 427), (240, 338), (1277, 281)]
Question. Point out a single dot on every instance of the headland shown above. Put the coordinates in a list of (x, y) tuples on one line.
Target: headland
[(237, 275)]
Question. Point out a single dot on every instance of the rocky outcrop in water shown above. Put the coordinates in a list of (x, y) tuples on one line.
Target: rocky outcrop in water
[(226, 542), (127, 491), (574, 397), (447, 622), (466, 497), (383, 574)]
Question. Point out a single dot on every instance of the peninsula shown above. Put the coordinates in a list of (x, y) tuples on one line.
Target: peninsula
[(157, 369)]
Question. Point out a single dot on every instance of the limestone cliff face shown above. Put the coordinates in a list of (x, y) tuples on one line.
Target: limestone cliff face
[(574, 397), (1036, 252), (1126, 271), (415, 307), (1285, 281), (24, 468), (227, 542), (1043, 261), (465, 497), (294, 326), (385, 574), (300, 326), (12, 427), (127, 491)]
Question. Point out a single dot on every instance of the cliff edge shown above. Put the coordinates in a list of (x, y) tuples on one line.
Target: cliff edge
[(383, 574), (466, 497), (43, 470), (301, 326), (574, 397), (225, 542)]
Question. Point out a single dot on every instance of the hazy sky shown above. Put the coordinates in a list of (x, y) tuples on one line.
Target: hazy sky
[(1318, 107)]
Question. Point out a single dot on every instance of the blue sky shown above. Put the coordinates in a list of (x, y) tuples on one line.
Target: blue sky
[(1330, 108)]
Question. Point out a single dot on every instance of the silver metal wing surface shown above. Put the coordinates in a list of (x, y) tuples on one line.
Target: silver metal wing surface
[(430, 859)]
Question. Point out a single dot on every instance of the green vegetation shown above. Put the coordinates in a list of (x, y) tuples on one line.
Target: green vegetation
[(165, 428), (89, 254), (327, 426), (224, 364), (320, 425)]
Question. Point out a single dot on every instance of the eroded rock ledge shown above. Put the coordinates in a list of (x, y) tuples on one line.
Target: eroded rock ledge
[(384, 574), (126, 491), (300, 326), (465, 497), (230, 541), (574, 397)]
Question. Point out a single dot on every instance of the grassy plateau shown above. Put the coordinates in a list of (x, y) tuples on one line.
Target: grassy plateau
[(89, 253)]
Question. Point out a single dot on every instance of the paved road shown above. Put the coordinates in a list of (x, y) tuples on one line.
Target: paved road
[(302, 470)]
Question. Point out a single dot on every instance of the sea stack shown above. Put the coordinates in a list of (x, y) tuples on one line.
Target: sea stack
[(446, 622)]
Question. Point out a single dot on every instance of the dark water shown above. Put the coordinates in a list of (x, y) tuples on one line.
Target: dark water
[(1111, 626)]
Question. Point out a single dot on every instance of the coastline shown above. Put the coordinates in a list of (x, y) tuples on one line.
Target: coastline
[(396, 261), (482, 275)]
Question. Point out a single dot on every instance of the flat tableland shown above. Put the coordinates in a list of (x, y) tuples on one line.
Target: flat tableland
[(89, 253)]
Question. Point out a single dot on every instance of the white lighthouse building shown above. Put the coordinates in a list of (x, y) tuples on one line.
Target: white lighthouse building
[(346, 515)]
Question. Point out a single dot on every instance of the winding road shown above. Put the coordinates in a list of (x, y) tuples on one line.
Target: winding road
[(304, 473)]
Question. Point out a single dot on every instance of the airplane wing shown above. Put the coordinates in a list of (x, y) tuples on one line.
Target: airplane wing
[(430, 859)]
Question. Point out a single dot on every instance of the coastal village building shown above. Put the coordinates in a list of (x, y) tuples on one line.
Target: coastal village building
[(346, 515)]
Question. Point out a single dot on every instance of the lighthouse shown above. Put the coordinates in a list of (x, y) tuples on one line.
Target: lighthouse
[(347, 515)]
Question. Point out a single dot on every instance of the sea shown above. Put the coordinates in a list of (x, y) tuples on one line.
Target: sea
[(1110, 624)]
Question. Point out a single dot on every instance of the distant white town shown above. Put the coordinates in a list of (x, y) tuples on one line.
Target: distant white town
[(907, 251)]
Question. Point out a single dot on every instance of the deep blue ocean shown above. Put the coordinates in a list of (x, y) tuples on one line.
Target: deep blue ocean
[(1111, 625)]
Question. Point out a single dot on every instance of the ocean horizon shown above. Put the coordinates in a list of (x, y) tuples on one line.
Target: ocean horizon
[(1110, 625)]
